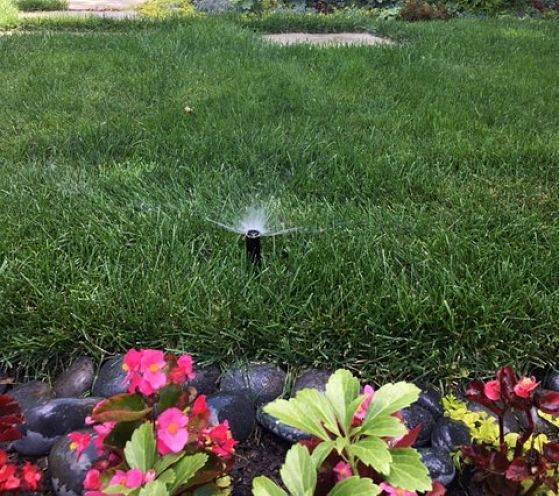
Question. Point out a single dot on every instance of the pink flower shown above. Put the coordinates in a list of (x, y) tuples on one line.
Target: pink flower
[(79, 442), (149, 477), (118, 479), (152, 365), (102, 431), (92, 481), (525, 386), (134, 479), (131, 365), (394, 491), (342, 471), (492, 390), (171, 431), (361, 413), (183, 371)]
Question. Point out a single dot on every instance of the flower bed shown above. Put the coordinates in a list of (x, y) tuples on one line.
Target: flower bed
[(146, 431)]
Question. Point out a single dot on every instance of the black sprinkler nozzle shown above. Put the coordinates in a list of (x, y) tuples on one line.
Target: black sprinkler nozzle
[(253, 247)]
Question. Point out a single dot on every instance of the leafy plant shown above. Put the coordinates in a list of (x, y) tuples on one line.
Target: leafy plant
[(521, 465), (8, 14), (14, 478), (359, 443), (41, 5), (156, 440), (164, 9), (420, 10)]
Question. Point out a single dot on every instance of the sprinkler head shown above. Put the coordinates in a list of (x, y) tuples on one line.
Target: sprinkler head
[(253, 248)]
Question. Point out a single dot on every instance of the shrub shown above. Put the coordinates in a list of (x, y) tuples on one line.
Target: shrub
[(157, 439), (164, 9), (36, 5), (8, 14), (420, 10), (358, 441), (511, 464)]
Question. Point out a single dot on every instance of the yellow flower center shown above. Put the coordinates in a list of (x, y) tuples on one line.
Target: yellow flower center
[(172, 428), (73, 446), (125, 367), (153, 368)]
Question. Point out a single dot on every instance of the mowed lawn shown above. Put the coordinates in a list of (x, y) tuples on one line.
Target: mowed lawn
[(426, 174)]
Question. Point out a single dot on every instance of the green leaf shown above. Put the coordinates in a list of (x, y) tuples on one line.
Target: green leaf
[(167, 477), (298, 473), (140, 450), (342, 390), (168, 397), (262, 486), (391, 398), (373, 452), (319, 408), (383, 426), (407, 471), (164, 463), (121, 434), (154, 488), (121, 408), (355, 486), (296, 413), (321, 452), (186, 468)]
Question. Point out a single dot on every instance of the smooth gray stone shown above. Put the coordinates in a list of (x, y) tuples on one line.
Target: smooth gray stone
[(206, 379), (237, 409), (66, 469), (262, 382), (282, 431), (311, 379), (551, 381), (430, 399), (439, 464), (75, 381), (45, 423), (111, 379), (31, 394), (415, 415), (448, 435)]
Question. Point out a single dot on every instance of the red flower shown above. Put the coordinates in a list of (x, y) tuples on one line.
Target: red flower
[(219, 440), (31, 476), (525, 386), (492, 390), (79, 442), (8, 479), (92, 481), (183, 370)]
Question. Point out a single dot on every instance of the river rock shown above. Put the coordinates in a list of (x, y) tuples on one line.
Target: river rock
[(66, 469), (311, 379), (111, 379), (416, 415), (237, 409), (551, 381), (45, 423), (511, 421), (282, 431), (430, 399), (206, 379), (448, 435), (439, 464), (31, 394), (75, 381), (3, 377), (262, 382)]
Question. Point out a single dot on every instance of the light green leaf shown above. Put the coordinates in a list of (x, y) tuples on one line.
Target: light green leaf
[(186, 468), (342, 390), (383, 426), (319, 408), (118, 489), (373, 452), (296, 413), (262, 486), (321, 452), (407, 471), (154, 488), (140, 450), (391, 398), (164, 463), (167, 477), (298, 473), (355, 486)]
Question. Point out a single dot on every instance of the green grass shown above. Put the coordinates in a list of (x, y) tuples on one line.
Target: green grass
[(8, 15), (41, 5), (427, 174)]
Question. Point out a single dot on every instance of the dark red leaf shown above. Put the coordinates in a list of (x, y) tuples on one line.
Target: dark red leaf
[(518, 471), (437, 490), (508, 379), (551, 451), (409, 439), (547, 401)]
